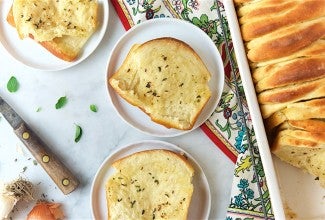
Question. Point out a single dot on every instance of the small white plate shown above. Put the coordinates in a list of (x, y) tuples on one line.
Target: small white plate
[(32, 54), (166, 27), (201, 199)]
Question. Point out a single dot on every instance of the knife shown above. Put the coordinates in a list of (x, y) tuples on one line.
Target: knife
[(59, 173)]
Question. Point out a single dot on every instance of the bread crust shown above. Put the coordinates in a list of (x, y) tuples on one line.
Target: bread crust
[(56, 46), (147, 179), (313, 109), (270, 17), (171, 89), (285, 47), (311, 125), (286, 41), (291, 72), (170, 153), (277, 99)]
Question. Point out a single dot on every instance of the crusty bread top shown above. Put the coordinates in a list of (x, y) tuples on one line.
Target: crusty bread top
[(264, 17), (312, 109), (166, 79), (151, 184), (312, 125), (286, 41), (277, 99), (48, 19), (291, 72), (286, 48)]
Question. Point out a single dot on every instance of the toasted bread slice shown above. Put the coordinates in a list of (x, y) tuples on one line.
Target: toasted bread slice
[(152, 184), (166, 79), (66, 45)]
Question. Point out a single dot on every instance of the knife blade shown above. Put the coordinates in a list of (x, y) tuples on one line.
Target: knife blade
[(58, 172)]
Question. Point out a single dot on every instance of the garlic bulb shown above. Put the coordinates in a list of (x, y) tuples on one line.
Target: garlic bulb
[(13, 192)]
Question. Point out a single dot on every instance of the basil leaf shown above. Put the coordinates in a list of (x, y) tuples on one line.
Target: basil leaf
[(12, 84), (61, 102), (78, 133), (93, 108)]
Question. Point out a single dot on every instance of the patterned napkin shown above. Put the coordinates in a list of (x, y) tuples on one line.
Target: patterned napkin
[(229, 125)]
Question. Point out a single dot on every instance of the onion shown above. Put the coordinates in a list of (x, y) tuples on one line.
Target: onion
[(45, 210)]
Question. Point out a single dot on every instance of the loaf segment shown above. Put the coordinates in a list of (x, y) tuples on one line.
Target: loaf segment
[(285, 46)]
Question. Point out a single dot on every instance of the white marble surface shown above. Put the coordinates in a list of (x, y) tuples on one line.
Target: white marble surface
[(103, 131)]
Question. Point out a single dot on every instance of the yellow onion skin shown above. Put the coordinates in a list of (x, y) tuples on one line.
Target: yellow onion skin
[(44, 211)]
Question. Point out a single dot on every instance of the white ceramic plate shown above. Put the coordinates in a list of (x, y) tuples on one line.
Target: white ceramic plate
[(290, 188), (166, 27), (201, 199), (32, 54)]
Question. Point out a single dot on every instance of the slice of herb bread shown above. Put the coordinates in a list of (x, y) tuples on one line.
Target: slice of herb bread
[(166, 79), (302, 149), (151, 184), (61, 27)]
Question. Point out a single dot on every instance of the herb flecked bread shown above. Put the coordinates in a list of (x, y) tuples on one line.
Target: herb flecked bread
[(62, 27), (166, 79), (151, 184), (286, 50)]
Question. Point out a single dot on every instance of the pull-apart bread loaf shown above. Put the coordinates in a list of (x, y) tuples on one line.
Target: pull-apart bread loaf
[(62, 27), (166, 79), (152, 184), (285, 45)]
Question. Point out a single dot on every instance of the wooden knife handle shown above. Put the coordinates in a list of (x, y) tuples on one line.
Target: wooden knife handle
[(62, 177)]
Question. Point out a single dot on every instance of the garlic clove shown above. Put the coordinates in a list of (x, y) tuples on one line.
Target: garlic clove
[(7, 203)]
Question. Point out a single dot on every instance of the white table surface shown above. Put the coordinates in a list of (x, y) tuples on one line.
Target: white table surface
[(103, 131)]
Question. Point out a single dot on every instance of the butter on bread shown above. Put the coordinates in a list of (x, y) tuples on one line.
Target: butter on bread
[(166, 79), (151, 184), (61, 27), (48, 19), (285, 47)]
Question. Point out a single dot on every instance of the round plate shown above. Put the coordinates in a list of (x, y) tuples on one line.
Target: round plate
[(32, 54), (201, 199), (166, 27)]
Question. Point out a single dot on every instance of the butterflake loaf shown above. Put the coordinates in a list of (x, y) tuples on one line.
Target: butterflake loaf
[(166, 79), (152, 184), (285, 45), (61, 26)]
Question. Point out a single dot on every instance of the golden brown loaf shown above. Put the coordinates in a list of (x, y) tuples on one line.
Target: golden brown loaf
[(62, 27), (152, 184), (166, 79), (285, 43)]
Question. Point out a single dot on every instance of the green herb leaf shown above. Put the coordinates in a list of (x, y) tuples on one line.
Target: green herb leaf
[(61, 102), (12, 84), (78, 133), (93, 108), (38, 109)]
